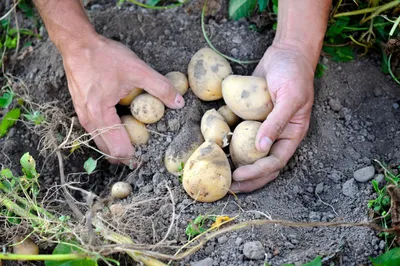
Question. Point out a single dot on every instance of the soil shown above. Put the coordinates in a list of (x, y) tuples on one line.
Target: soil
[(355, 120)]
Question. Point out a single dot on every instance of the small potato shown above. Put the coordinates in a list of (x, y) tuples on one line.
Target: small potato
[(230, 117), (206, 71), (137, 131), (215, 128), (179, 80), (182, 147), (243, 144), (117, 209), (207, 175), (147, 109), (25, 247), (127, 100), (247, 96), (121, 190)]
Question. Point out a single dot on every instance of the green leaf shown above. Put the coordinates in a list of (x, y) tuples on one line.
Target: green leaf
[(8, 121), (262, 5), (241, 8), (6, 99), (337, 27), (339, 53), (28, 166), (152, 2), (35, 117), (67, 249), (390, 258), (11, 43), (275, 6), (315, 262), (90, 165), (319, 71), (7, 173)]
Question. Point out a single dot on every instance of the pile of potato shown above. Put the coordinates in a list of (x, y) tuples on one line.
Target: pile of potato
[(229, 131)]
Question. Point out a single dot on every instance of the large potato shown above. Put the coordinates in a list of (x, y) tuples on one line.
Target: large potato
[(247, 96), (215, 128), (25, 246), (127, 100), (230, 117), (147, 109), (207, 175), (206, 71), (182, 147), (137, 131), (243, 144), (179, 80)]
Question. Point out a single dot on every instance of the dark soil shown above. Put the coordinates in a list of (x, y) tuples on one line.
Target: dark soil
[(355, 120)]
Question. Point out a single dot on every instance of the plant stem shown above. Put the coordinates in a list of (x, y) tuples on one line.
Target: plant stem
[(57, 257), (395, 25), (12, 206), (380, 9), (391, 73), (356, 12), (158, 7)]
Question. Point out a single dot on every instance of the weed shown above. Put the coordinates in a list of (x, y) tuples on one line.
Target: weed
[(180, 171)]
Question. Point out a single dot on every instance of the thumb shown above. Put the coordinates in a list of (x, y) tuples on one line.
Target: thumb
[(157, 85), (275, 124)]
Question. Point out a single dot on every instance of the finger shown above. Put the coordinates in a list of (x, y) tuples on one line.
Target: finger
[(275, 124), (157, 85), (251, 185), (259, 71), (113, 133)]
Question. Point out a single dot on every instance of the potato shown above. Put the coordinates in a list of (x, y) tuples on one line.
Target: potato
[(215, 128), (137, 131), (179, 80), (242, 148), (230, 117), (206, 71), (182, 147), (117, 209), (207, 175), (127, 100), (147, 109), (25, 247), (247, 96), (121, 190)]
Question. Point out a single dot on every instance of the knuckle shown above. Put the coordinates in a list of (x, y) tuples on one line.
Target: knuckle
[(279, 126), (94, 110), (165, 92)]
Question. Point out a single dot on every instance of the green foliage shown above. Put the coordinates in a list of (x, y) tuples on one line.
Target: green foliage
[(90, 165), (390, 258), (36, 117), (241, 8), (6, 99), (320, 70), (262, 5), (153, 2), (198, 226), (29, 166), (26, 7), (180, 171), (63, 248), (315, 262), (9, 120)]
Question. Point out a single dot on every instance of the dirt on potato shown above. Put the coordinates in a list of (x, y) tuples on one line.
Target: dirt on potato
[(355, 119)]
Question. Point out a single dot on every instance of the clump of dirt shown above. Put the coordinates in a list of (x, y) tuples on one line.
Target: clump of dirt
[(353, 122)]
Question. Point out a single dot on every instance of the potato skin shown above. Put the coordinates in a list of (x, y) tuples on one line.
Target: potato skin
[(147, 109), (206, 71), (214, 127), (182, 147), (137, 131), (242, 148), (179, 80), (27, 247), (127, 100), (207, 175), (230, 117), (121, 190), (247, 96)]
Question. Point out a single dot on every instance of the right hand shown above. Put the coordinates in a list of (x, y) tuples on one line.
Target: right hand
[(99, 74)]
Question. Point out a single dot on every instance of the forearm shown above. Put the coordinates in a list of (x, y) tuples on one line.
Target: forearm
[(302, 25), (67, 23)]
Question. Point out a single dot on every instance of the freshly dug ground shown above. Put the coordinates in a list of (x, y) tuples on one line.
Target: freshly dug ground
[(355, 120)]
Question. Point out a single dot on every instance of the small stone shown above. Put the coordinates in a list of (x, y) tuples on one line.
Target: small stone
[(339, 68), (335, 104), (377, 92), (325, 60), (235, 52), (314, 216), (205, 262), (209, 250), (254, 250), (335, 177), (343, 112), (167, 32), (222, 239), (310, 189), (396, 106), (237, 40), (364, 174), (379, 177), (382, 245), (350, 188), (320, 188), (238, 241), (95, 7), (173, 124)]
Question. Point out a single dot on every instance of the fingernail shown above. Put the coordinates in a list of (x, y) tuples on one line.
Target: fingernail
[(265, 143), (179, 101), (234, 189)]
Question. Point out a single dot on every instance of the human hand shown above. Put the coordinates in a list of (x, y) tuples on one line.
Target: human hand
[(290, 77), (99, 75)]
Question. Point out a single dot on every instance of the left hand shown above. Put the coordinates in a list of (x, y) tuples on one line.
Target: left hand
[(290, 77)]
